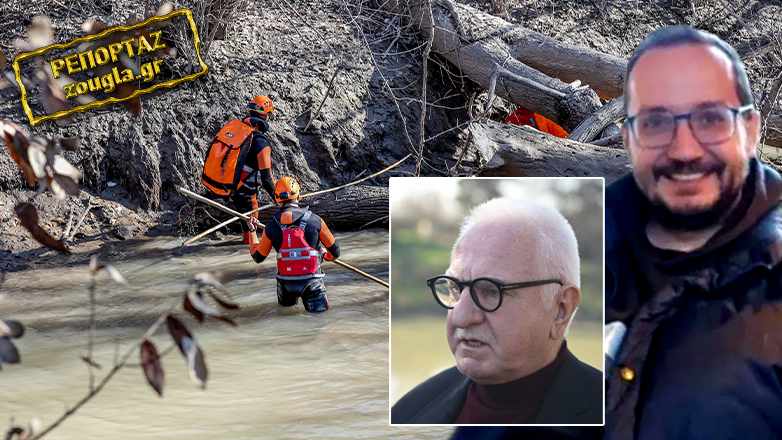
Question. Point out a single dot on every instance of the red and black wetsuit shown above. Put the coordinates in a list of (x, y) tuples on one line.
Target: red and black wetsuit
[(309, 287), (257, 170)]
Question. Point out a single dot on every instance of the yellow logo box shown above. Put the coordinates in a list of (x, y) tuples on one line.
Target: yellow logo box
[(84, 61)]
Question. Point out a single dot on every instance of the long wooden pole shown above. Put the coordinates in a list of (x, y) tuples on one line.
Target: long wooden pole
[(245, 217), (232, 219)]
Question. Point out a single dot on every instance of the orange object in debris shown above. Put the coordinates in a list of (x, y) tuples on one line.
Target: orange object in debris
[(522, 116)]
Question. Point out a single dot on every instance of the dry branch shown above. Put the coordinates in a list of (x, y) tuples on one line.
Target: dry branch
[(591, 126), (454, 37)]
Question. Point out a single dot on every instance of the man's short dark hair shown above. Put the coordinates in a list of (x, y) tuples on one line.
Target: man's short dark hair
[(681, 35)]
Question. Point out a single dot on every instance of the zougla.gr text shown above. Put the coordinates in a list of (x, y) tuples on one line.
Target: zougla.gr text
[(83, 61)]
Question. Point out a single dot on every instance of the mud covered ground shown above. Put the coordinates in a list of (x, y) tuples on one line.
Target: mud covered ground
[(290, 51)]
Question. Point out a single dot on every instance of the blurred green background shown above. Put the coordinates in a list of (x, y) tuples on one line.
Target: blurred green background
[(425, 215)]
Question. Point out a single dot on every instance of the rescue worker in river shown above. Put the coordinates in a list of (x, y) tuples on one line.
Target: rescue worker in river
[(296, 234), (239, 172)]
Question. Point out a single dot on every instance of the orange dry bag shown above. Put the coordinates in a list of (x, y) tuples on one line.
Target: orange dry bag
[(226, 156)]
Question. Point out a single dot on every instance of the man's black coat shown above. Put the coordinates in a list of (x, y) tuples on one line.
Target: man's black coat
[(575, 397)]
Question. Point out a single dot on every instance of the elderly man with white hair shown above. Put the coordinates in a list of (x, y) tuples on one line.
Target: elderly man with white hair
[(511, 290)]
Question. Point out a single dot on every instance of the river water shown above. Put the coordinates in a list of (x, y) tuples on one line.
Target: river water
[(280, 374)]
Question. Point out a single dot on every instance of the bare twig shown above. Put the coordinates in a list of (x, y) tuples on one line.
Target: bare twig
[(421, 122), (385, 83), (728, 8), (773, 95), (466, 142), (78, 224), (113, 371), (326, 95), (307, 23), (692, 21), (91, 339), (373, 221), (70, 9)]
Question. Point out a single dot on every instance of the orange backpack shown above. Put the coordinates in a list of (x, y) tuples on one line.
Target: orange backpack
[(226, 156)]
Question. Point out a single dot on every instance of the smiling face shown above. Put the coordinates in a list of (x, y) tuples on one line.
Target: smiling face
[(514, 340), (687, 181)]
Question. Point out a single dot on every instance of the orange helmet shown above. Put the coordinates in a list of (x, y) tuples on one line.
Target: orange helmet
[(261, 104), (286, 189)]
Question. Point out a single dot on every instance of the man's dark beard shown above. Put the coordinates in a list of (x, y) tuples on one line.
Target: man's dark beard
[(696, 220)]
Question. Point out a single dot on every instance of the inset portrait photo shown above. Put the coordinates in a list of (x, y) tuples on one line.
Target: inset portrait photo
[(497, 301)]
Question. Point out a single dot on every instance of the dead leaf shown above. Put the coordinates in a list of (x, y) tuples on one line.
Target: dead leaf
[(188, 306), (198, 302), (28, 216), (36, 155), (153, 368), (214, 279), (195, 300), (11, 329), (53, 96), (195, 363), (133, 18), (10, 80), (8, 352), (66, 175), (33, 428), (40, 31), (115, 275), (62, 185), (70, 144), (93, 27), (4, 60), (178, 332), (223, 303), (95, 266), (23, 45), (189, 348), (111, 271), (17, 141), (165, 8)]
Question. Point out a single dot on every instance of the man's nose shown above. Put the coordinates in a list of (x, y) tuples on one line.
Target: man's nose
[(685, 146), (465, 312)]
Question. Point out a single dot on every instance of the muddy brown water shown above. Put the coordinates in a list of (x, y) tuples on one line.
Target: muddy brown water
[(281, 373)]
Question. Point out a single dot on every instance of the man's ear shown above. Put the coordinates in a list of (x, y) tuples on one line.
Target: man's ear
[(752, 126), (567, 300), (626, 136)]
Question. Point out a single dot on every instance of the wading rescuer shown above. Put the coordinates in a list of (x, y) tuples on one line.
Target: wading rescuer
[(296, 234), (238, 162)]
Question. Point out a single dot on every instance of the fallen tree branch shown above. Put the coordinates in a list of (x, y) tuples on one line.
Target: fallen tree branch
[(614, 141), (509, 150), (476, 53), (595, 123), (771, 101)]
